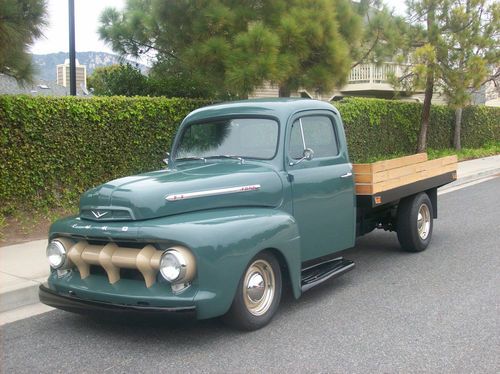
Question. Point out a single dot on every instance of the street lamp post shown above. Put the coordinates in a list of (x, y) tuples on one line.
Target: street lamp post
[(72, 54)]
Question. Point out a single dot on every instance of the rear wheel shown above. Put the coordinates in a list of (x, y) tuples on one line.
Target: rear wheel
[(258, 294), (415, 222)]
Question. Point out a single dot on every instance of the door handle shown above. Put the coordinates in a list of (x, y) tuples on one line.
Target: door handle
[(346, 175)]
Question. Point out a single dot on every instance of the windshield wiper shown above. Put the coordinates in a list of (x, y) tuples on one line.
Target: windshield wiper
[(191, 158), (227, 156)]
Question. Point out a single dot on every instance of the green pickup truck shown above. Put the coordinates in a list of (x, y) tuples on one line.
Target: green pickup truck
[(257, 194)]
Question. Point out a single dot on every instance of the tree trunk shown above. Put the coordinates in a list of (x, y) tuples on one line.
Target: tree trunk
[(284, 91), (458, 127), (426, 111), (429, 82)]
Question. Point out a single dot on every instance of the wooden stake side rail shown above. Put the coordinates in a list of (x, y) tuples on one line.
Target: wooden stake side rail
[(389, 174)]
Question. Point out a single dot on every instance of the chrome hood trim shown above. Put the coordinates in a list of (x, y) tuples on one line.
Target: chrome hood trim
[(214, 192)]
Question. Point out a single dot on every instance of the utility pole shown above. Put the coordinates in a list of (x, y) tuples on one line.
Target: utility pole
[(72, 54)]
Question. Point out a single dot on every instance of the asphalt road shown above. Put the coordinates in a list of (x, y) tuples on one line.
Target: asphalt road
[(436, 311)]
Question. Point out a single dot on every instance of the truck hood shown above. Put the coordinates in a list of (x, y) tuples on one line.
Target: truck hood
[(189, 188)]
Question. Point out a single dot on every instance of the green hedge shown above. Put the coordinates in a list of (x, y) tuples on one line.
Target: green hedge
[(52, 149), (377, 128)]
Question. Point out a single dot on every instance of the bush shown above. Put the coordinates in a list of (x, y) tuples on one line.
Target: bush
[(378, 128), (123, 80), (162, 80), (480, 126), (53, 149)]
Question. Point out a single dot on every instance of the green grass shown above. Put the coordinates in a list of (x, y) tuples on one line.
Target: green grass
[(466, 153), (27, 223), (491, 149), (387, 156), (3, 223)]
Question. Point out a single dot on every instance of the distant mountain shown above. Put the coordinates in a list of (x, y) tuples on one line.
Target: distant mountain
[(46, 64)]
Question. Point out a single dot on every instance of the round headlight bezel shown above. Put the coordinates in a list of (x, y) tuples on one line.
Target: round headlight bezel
[(59, 246), (181, 264)]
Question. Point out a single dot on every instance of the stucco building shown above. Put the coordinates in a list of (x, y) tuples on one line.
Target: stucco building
[(63, 74)]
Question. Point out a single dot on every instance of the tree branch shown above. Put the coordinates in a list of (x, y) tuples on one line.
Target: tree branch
[(138, 45), (493, 78), (367, 52)]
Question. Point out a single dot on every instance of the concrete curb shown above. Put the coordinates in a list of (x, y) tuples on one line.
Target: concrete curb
[(23, 267), (471, 178), (25, 294)]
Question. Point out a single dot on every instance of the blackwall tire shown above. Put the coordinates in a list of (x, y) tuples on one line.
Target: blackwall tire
[(258, 295), (415, 222)]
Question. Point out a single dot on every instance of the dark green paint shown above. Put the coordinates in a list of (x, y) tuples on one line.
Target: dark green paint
[(323, 201), (223, 242), (144, 195)]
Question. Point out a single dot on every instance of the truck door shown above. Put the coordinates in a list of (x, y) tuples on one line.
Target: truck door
[(322, 187)]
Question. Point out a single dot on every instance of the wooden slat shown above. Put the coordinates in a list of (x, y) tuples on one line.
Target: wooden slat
[(398, 162), (393, 183), (362, 168), (368, 181), (364, 189), (410, 169), (363, 178), (364, 172)]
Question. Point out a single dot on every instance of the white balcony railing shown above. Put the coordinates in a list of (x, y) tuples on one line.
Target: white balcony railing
[(371, 73)]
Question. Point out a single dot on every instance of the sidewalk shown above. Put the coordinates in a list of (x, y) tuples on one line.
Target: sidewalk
[(471, 170), (24, 266)]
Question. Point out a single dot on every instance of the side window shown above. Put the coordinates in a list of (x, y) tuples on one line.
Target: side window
[(315, 132)]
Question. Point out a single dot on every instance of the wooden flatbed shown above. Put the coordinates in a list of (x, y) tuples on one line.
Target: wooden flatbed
[(386, 181)]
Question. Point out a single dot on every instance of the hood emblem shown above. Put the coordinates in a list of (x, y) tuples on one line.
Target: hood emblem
[(218, 191), (98, 214)]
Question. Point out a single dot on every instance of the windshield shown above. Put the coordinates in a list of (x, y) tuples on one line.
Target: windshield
[(238, 137)]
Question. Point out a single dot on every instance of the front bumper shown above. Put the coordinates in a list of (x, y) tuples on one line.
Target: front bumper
[(82, 306)]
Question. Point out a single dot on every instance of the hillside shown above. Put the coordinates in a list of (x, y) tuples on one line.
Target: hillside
[(46, 64)]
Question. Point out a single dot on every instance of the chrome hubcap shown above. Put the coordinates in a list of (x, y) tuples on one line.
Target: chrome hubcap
[(255, 287), (259, 287), (423, 221)]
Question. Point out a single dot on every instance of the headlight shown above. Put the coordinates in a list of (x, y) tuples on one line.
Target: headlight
[(56, 254), (172, 266), (177, 264)]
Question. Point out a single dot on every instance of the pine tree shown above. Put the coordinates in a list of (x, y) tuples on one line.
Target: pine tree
[(21, 23), (471, 40), (238, 45), (459, 48), (382, 32)]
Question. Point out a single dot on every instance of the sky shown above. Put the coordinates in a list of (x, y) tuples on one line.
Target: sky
[(87, 14)]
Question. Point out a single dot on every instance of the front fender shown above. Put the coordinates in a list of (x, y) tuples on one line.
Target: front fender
[(223, 242)]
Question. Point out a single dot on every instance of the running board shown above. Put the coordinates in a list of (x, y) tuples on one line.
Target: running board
[(317, 274)]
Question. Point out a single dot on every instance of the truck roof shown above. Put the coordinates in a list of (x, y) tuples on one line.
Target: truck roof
[(281, 108)]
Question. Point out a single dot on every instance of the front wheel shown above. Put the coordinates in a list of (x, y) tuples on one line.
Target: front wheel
[(258, 294), (415, 222)]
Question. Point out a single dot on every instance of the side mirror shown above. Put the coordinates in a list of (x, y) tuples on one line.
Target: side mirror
[(308, 155)]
